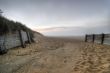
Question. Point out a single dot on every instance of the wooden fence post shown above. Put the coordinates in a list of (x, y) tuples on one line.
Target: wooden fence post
[(102, 38), (93, 38), (31, 37), (28, 36), (86, 38), (21, 39)]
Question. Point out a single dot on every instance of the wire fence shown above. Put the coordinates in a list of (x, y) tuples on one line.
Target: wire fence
[(98, 38)]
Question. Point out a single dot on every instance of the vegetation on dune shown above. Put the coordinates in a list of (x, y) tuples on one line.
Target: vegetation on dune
[(10, 26), (7, 26)]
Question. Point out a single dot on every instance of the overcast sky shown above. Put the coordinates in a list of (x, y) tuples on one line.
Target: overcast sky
[(60, 17)]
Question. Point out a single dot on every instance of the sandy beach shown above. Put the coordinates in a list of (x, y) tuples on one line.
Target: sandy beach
[(54, 36), (57, 55)]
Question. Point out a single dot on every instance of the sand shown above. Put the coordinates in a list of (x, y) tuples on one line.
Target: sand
[(95, 58), (57, 55)]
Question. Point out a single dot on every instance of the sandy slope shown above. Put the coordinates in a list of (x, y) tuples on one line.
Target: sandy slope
[(57, 55)]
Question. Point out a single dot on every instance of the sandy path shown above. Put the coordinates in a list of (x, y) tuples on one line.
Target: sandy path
[(50, 55), (57, 55), (61, 60)]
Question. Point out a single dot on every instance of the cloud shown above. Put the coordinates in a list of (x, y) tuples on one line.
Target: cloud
[(63, 31), (53, 12), (66, 17), (74, 31), (52, 29)]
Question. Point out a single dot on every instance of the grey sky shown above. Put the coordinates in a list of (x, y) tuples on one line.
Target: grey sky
[(38, 14)]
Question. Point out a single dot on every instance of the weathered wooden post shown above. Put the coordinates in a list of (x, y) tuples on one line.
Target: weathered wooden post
[(86, 38), (31, 37), (21, 39), (3, 48), (28, 36), (102, 38), (93, 38)]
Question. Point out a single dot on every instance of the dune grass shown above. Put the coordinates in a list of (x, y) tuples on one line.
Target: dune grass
[(7, 26)]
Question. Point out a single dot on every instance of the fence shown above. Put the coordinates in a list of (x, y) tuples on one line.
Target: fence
[(17, 38), (98, 38)]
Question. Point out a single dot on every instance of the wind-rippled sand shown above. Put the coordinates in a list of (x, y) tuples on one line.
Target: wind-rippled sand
[(95, 58), (57, 55)]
